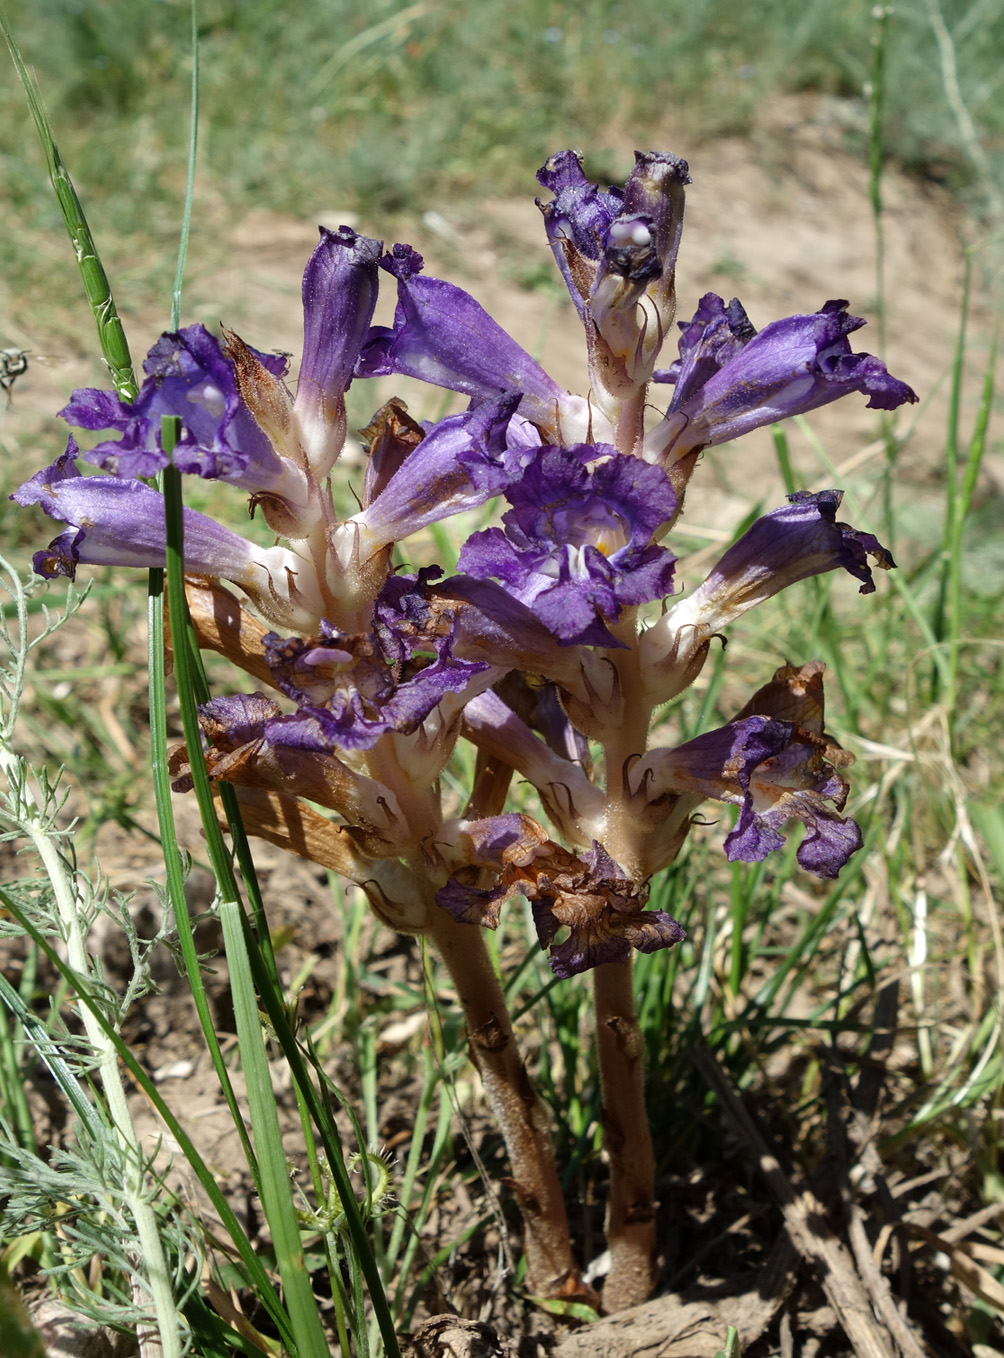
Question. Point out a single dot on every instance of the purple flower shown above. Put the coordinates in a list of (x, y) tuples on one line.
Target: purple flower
[(349, 695), (774, 762), (617, 252), (577, 543), (613, 246), (239, 422), (710, 340), (799, 540), (577, 219), (443, 336), (340, 287), (731, 382), (118, 522), (461, 463), (188, 375)]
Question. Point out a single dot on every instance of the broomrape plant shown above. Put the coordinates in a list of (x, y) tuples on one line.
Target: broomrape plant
[(365, 677)]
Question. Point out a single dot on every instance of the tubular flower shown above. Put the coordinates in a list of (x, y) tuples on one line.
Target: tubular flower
[(773, 762), (731, 379), (800, 540), (118, 522)]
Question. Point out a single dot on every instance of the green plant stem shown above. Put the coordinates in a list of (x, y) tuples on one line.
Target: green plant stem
[(173, 871), (151, 1263), (631, 1204), (111, 335), (551, 1267), (193, 140), (961, 504)]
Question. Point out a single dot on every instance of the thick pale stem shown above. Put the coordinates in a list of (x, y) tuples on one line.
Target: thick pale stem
[(631, 1204), (630, 431), (551, 1267)]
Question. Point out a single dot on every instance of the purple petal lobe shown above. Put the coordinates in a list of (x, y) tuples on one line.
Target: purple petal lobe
[(232, 721), (710, 340)]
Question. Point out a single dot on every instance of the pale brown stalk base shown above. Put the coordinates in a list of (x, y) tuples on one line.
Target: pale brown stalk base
[(551, 1267), (631, 1210)]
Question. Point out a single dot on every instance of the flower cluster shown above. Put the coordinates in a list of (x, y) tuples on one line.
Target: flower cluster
[(534, 651)]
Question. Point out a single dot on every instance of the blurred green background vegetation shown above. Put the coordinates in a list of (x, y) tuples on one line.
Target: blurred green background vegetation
[(383, 107)]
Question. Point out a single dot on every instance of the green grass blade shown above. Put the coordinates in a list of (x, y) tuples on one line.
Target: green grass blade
[(174, 872), (273, 1175), (49, 1052), (111, 335), (193, 141), (13, 1100), (940, 623), (276, 1193), (962, 503)]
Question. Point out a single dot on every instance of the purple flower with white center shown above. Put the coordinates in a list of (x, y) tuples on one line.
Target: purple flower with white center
[(631, 234), (118, 522), (577, 544), (731, 384), (620, 267), (577, 220)]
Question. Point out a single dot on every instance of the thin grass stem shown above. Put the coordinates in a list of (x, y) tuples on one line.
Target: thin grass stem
[(193, 142), (111, 335)]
